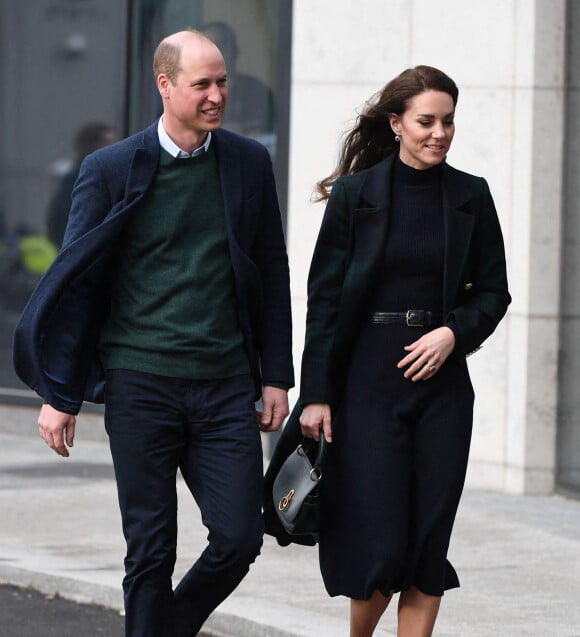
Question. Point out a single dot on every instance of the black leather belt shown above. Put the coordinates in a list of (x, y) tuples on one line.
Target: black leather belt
[(410, 318)]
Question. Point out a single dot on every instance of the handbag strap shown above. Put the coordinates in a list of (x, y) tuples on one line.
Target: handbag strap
[(321, 455), (316, 471)]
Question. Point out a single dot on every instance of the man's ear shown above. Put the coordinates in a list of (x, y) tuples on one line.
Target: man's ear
[(163, 85)]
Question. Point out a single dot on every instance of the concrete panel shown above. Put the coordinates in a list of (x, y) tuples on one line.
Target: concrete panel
[(524, 43), (521, 177), (529, 481), (507, 59), (472, 41), (573, 44), (347, 44), (568, 449), (569, 405), (550, 41), (485, 475), (546, 212), (517, 381), (571, 233), (531, 434), (488, 371)]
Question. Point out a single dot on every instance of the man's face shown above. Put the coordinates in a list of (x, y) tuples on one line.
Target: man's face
[(196, 102)]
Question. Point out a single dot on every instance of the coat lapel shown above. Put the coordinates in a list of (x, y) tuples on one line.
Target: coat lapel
[(459, 220), (231, 179), (371, 219), (143, 167)]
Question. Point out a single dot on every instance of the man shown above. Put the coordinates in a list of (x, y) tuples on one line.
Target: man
[(173, 277)]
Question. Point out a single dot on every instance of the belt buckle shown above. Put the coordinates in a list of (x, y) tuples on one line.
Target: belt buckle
[(412, 320)]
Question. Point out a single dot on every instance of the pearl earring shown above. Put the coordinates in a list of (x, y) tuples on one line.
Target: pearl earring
[(397, 138)]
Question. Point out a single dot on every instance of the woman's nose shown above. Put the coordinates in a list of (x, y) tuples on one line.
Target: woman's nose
[(438, 131)]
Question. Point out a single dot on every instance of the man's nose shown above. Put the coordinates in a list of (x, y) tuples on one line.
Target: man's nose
[(214, 94)]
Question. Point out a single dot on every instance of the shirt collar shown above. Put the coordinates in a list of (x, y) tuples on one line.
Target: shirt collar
[(173, 149)]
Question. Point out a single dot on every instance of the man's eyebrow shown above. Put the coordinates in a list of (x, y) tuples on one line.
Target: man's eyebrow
[(199, 80)]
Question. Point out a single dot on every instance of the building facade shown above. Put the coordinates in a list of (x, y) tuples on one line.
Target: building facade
[(65, 62)]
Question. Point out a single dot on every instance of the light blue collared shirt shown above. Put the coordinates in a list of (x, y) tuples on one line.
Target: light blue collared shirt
[(173, 149)]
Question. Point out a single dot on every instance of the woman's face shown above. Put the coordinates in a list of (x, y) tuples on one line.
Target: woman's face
[(426, 129)]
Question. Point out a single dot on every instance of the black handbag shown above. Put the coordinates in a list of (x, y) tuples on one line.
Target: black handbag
[(295, 490)]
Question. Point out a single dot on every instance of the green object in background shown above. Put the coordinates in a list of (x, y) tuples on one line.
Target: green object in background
[(37, 253)]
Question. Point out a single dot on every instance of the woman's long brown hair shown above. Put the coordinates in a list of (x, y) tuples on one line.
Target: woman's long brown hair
[(372, 139)]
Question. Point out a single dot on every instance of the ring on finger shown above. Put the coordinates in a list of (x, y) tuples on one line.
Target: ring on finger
[(432, 369)]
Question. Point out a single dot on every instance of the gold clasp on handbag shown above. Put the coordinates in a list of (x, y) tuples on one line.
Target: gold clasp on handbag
[(285, 501)]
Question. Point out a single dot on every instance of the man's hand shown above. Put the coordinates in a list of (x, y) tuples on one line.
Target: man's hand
[(56, 428), (275, 408)]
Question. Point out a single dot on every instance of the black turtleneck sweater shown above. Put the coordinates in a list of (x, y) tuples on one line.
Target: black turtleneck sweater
[(412, 273)]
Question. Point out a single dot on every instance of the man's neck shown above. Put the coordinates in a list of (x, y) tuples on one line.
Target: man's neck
[(185, 141), (188, 142)]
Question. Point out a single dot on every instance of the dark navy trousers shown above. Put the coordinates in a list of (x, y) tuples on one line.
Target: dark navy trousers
[(207, 430)]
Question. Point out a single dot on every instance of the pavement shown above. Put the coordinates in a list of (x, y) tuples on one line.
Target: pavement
[(28, 613), (518, 557)]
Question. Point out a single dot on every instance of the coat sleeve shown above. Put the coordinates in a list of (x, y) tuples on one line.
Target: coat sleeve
[(90, 201), (274, 338), (54, 345), (325, 285), (484, 298)]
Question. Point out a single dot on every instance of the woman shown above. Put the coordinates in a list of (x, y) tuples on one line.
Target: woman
[(407, 278)]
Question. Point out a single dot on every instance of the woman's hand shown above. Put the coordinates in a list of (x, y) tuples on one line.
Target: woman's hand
[(313, 417), (427, 354)]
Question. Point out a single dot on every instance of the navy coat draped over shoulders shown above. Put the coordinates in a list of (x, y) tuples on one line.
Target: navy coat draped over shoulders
[(56, 339)]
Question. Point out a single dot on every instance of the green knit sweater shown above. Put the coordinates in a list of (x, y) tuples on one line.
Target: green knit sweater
[(173, 309)]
